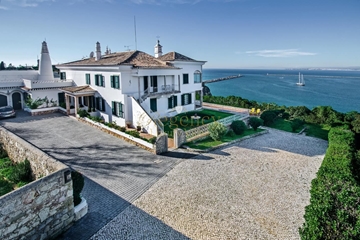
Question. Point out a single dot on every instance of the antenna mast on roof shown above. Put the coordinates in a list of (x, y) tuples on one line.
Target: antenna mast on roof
[(135, 33)]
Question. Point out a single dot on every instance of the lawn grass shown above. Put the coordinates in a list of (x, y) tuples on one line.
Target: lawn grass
[(209, 142), (313, 130), (319, 131), (281, 124), (185, 122)]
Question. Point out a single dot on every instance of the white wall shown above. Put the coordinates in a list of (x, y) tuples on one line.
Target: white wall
[(49, 93), (141, 118)]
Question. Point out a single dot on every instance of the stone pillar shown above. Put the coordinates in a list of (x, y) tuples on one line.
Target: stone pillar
[(179, 137), (161, 144), (67, 104)]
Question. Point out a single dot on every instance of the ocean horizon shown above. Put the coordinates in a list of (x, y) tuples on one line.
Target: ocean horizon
[(339, 89)]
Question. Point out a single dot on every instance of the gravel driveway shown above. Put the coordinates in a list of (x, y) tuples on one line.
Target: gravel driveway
[(255, 189)]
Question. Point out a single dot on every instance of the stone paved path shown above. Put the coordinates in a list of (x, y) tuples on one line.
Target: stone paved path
[(116, 172)]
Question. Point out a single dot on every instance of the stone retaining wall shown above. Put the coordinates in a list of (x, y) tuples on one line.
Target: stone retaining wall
[(41, 209)]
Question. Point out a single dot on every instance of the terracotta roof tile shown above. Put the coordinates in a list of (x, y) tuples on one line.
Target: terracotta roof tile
[(175, 56), (79, 89), (134, 58)]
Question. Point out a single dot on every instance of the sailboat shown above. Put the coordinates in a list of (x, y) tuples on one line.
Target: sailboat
[(301, 80)]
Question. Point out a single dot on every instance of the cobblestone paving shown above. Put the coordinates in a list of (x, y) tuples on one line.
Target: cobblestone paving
[(116, 172), (255, 189)]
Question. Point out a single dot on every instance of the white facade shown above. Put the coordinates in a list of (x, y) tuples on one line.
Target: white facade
[(143, 92)]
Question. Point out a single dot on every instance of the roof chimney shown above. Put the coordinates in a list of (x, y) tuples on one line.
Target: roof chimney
[(158, 49), (45, 66), (98, 52)]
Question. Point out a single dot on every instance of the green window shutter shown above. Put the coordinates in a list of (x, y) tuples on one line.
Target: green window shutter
[(121, 113), (61, 97), (87, 79), (97, 103), (102, 104), (97, 80), (189, 98), (102, 81), (170, 102), (183, 99), (112, 81), (185, 78), (117, 82), (153, 105), (175, 101), (113, 107)]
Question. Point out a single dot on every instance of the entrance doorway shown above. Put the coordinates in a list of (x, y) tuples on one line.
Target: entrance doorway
[(3, 100), (16, 100)]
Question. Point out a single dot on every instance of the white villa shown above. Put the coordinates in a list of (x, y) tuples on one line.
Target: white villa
[(131, 88)]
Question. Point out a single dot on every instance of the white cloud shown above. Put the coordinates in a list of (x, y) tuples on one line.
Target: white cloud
[(24, 3), (279, 53), (3, 8)]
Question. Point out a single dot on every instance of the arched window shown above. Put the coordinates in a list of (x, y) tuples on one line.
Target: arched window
[(197, 76)]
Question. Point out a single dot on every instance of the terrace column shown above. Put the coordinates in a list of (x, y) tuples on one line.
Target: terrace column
[(165, 83), (179, 82), (149, 84), (67, 104), (139, 88), (76, 104)]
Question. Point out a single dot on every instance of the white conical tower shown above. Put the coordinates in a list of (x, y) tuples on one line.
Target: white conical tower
[(158, 49), (45, 66)]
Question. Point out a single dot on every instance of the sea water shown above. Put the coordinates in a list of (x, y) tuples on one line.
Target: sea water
[(335, 88)]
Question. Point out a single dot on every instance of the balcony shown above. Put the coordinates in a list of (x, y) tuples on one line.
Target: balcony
[(162, 90), (57, 83)]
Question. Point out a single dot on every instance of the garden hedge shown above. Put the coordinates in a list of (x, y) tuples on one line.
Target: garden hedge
[(334, 211)]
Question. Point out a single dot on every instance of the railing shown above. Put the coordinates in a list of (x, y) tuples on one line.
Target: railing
[(164, 89), (157, 121), (203, 129)]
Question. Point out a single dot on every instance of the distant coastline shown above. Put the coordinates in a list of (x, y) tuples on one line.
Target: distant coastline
[(338, 89)]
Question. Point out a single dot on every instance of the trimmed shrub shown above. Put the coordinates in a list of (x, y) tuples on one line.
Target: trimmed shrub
[(230, 133), (83, 113), (133, 133), (238, 127), (268, 117), (255, 122), (152, 140), (217, 130), (78, 185), (333, 212)]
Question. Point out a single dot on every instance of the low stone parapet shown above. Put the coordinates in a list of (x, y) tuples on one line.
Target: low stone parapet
[(43, 208)]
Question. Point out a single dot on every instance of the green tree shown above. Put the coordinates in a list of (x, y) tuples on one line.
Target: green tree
[(2, 65), (255, 122), (268, 117)]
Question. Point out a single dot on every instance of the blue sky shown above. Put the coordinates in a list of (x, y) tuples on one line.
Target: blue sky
[(225, 33)]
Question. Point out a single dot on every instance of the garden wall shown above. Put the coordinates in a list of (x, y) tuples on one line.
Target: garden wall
[(43, 208)]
